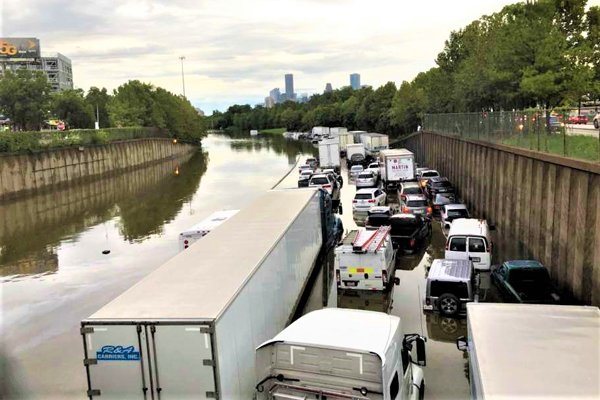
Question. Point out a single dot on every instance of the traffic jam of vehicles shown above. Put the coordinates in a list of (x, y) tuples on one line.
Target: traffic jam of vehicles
[(217, 320)]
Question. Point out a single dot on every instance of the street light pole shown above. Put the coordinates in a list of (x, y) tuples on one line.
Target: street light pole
[(182, 76)]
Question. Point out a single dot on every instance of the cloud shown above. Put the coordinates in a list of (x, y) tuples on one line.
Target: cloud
[(237, 50)]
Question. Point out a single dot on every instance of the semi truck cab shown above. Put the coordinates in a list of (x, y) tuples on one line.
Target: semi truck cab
[(341, 354)]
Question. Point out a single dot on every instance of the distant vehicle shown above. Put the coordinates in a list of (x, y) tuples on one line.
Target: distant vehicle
[(374, 168), (365, 260), (554, 124), (407, 188), (345, 138), (337, 130), (438, 184), (397, 165), (374, 143), (450, 212), (525, 281), (312, 161), (356, 170), (253, 132), (364, 199), (204, 227), (578, 119), (596, 121), (441, 199), (329, 154), (366, 179), (505, 339), (425, 175), (419, 171), (304, 178), (335, 175), (355, 153), (305, 167), (469, 239), (367, 354), (415, 204), (356, 135), (451, 284), (409, 232), (378, 216)]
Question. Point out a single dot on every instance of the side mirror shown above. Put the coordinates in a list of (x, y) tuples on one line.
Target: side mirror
[(421, 357), (492, 227), (461, 343)]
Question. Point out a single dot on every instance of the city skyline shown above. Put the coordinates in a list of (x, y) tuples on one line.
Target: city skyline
[(243, 48)]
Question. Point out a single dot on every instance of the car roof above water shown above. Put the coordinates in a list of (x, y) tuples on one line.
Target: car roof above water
[(450, 270)]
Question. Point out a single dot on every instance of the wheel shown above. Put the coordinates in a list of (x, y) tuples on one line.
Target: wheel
[(422, 391), (596, 124), (448, 325), (449, 304)]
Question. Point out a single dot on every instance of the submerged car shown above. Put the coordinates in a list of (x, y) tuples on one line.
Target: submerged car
[(451, 284), (364, 199), (378, 216), (355, 170), (409, 232), (415, 204), (450, 212), (304, 178), (525, 281)]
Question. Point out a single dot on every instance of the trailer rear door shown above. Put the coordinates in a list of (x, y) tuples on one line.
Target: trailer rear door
[(183, 362), (116, 361)]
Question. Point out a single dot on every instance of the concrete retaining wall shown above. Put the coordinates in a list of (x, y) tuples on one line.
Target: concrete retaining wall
[(545, 207), (25, 173)]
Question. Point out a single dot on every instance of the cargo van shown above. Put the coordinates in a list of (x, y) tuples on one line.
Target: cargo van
[(469, 239), (337, 354), (366, 260)]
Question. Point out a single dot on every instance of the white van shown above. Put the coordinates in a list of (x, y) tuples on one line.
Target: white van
[(366, 260), (469, 239), (191, 235)]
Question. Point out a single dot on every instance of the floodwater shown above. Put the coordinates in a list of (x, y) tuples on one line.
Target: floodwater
[(53, 272)]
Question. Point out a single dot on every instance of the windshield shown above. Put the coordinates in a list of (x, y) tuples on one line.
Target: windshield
[(417, 203), (428, 174), (363, 196), (404, 226), (379, 219), (319, 181), (442, 184), (537, 275), (357, 168), (411, 190), (458, 214), (443, 199), (365, 176)]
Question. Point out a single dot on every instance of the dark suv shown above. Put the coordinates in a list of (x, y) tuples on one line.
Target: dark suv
[(439, 185)]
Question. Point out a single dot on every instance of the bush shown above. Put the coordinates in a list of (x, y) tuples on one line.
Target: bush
[(20, 142)]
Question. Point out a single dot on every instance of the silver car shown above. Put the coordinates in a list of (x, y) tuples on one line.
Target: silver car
[(366, 179), (416, 204), (356, 170)]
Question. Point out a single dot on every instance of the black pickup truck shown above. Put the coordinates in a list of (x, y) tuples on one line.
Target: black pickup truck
[(409, 232), (524, 281)]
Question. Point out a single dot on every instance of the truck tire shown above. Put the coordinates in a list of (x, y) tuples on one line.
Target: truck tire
[(448, 304)]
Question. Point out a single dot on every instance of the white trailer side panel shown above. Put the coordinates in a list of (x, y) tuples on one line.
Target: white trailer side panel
[(263, 306)]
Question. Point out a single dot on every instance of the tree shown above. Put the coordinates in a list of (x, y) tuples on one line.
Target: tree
[(71, 107), (99, 99), (24, 97)]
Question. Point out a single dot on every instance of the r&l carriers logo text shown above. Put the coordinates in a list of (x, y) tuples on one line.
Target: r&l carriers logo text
[(117, 353)]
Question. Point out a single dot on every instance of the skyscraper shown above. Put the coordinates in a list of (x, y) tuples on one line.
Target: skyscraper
[(328, 88), (289, 87), (355, 81), (275, 95)]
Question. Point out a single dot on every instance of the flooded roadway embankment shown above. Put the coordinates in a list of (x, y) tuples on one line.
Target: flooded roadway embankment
[(53, 272)]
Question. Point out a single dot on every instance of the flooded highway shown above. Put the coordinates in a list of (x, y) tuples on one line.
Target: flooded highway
[(53, 272)]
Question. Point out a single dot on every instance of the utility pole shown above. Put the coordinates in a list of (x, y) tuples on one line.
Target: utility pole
[(182, 76)]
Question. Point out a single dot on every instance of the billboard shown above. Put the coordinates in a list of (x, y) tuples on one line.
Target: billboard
[(19, 48)]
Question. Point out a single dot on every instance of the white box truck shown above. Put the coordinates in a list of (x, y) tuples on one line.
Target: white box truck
[(374, 143), (396, 166), (338, 130), (329, 154), (355, 154), (337, 353), (190, 328), (320, 131), (204, 227), (356, 135), (345, 139), (533, 351)]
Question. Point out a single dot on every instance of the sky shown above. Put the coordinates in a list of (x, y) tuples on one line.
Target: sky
[(237, 50)]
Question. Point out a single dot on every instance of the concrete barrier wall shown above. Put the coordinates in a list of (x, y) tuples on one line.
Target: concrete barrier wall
[(25, 173), (545, 207)]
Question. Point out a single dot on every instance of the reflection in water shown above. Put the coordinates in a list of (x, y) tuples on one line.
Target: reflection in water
[(445, 329), (145, 199), (275, 143)]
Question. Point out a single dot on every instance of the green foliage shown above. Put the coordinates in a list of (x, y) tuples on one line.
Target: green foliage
[(20, 142), (71, 107), (24, 98), (98, 100)]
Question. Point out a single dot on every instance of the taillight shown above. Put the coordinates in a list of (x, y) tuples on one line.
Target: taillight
[(326, 186), (384, 276), (371, 201), (185, 242), (412, 242), (429, 210), (355, 201), (337, 277), (405, 210)]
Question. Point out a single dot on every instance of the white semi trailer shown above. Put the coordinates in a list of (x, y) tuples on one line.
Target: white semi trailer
[(190, 328), (533, 351), (337, 353), (374, 143), (329, 154)]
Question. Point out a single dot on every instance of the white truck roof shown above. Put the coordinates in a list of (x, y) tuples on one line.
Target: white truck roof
[(211, 222), (395, 152), (536, 351), (450, 270), (469, 226), (184, 287), (344, 329)]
